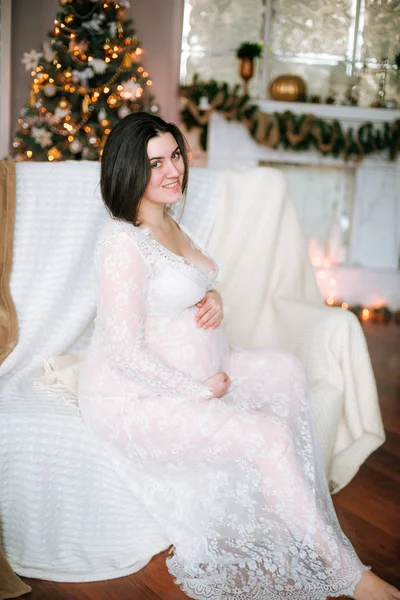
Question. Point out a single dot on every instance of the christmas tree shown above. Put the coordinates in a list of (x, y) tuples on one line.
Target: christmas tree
[(87, 78)]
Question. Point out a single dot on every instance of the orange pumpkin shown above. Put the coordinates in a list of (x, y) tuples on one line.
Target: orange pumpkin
[(289, 88)]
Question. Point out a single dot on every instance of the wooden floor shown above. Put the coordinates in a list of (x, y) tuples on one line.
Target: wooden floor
[(368, 508)]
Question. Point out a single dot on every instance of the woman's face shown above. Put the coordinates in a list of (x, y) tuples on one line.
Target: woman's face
[(167, 170)]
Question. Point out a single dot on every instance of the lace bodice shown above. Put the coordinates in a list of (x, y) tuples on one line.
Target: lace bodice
[(138, 279)]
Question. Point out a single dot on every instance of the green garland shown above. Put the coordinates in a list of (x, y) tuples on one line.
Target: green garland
[(220, 97), (292, 131)]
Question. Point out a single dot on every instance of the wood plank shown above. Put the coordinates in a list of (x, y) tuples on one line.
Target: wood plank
[(374, 498), (115, 589), (387, 462), (157, 578)]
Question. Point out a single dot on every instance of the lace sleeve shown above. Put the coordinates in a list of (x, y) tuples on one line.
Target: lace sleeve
[(123, 280)]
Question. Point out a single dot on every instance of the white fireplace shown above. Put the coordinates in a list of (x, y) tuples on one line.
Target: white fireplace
[(349, 211)]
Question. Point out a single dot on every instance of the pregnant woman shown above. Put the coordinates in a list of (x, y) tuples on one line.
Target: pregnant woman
[(220, 439)]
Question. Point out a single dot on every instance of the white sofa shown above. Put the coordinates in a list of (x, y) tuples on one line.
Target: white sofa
[(65, 513)]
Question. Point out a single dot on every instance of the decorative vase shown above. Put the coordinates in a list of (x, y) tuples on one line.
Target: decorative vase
[(289, 88), (246, 72)]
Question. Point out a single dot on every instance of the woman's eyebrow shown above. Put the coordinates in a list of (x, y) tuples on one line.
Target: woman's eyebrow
[(160, 157)]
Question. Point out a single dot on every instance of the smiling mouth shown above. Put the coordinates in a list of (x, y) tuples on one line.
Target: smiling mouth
[(171, 186)]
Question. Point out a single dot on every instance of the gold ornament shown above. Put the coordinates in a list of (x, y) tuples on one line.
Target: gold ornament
[(112, 101), (289, 88), (120, 29), (65, 2), (32, 98), (85, 104), (40, 79), (69, 18), (107, 45), (246, 70), (53, 154), (126, 61), (63, 103), (76, 48)]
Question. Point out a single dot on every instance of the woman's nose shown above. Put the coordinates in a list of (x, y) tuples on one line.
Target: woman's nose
[(172, 170)]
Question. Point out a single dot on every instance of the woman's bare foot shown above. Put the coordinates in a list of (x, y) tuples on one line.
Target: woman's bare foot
[(372, 587)]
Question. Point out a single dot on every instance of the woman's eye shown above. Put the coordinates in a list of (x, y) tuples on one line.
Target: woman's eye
[(155, 164), (176, 154)]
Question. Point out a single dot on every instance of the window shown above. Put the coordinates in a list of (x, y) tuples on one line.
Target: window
[(316, 39)]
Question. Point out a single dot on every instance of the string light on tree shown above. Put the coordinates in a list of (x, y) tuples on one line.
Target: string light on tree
[(84, 81)]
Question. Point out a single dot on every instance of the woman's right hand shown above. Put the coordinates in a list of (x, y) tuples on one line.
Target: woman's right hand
[(218, 384)]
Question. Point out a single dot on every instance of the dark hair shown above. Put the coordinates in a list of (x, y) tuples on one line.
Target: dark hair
[(125, 165)]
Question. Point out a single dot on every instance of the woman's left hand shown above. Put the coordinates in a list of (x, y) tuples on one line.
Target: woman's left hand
[(210, 313)]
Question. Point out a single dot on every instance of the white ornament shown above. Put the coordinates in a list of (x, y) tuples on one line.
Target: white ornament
[(47, 52), (60, 113), (123, 111), (95, 24), (31, 59), (49, 90), (98, 65), (75, 147), (42, 136), (129, 89), (102, 114), (82, 76), (112, 28)]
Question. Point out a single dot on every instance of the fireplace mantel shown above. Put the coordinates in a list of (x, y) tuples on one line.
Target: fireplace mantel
[(349, 114)]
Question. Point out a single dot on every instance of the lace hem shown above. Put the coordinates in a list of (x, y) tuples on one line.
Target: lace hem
[(217, 584)]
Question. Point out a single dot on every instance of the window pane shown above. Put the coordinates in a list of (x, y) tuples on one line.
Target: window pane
[(381, 34), (311, 27), (212, 31)]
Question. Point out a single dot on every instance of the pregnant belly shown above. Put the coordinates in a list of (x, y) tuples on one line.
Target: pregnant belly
[(197, 352)]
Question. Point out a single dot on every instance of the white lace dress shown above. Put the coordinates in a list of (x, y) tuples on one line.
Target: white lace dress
[(235, 482)]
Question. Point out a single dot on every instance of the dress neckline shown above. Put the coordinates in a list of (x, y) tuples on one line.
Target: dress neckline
[(211, 272)]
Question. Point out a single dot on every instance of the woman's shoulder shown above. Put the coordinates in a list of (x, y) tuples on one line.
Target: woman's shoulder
[(120, 234), (118, 229)]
